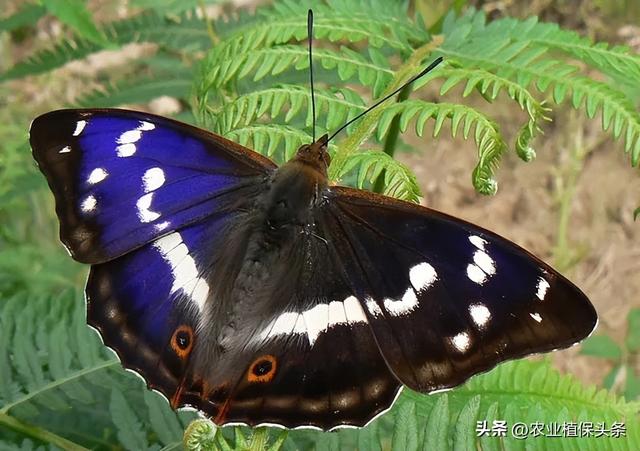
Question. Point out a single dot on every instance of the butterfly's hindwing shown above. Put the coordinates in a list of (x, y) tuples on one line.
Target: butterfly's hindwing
[(122, 178), (148, 304), (322, 366)]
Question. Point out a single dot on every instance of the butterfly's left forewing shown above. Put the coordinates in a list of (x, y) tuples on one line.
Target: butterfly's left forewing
[(123, 178), (446, 299)]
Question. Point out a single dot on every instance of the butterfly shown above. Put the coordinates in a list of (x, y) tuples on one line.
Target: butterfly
[(261, 294)]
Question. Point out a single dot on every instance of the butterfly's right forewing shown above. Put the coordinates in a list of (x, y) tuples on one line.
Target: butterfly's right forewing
[(447, 299)]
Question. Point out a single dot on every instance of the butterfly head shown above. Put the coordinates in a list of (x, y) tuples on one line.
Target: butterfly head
[(315, 155)]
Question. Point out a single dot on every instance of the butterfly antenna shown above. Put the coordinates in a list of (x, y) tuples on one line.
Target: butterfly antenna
[(428, 69), (313, 94)]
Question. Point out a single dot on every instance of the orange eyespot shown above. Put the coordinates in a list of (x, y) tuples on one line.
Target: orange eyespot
[(263, 369), (182, 341)]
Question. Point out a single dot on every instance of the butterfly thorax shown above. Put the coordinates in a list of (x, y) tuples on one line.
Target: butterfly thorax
[(269, 236)]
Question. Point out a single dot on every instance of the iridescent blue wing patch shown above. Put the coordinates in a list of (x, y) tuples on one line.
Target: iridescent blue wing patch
[(147, 304), (122, 179)]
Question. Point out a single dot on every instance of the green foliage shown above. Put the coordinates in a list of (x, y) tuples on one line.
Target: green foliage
[(53, 368), (28, 14), (601, 346), (59, 385), (74, 13), (504, 56), (622, 378)]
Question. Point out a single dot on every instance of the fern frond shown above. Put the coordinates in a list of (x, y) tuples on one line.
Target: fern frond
[(278, 142), (275, 60), (520, 391), (138, 90), (52, 366), (334, 21), (27, 15), (485, 132), (265, 43), (490, 86), (337, 106), (612, 60), (185, 33), (512, 51), (399, 181)]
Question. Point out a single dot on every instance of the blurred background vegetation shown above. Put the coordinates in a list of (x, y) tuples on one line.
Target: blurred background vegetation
[(573, 206)]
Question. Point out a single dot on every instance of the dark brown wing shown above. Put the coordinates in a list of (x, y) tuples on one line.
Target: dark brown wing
[(447, 299)]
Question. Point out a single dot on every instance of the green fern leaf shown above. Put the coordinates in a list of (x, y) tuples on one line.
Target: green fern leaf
[(405, 433), (399, 181), (130, 431), (219, 70), (54, 366), (164, 421), (28, 14), (337, 106), (435, 436), (275, 141), (75, 14), (512, 50), (465, 436), (181, 34), (138, 90), (527, 390), (486, 133)]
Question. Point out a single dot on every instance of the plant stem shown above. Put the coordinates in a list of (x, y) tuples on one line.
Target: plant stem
[(566, 184), (39, 434), (391, 140), (213, 36), (83, 372), (368, 123)]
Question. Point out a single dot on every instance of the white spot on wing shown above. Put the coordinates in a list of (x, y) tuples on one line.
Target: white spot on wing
[(97, 175), (126, 150), (536, 316), (316, 320), (484, 262), (478, 242), (354, 311), (461, 341), (300, 327), (129, 137), (80, 125), (183, 268), (398, 307), (65, 149), (476, 274), (373, 307), (422, 276), (480, 314), (152, 179), (543, 286), (283, 324), (146, 126), (145, 214), (337, 314), (88, 204), (163, 225)]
